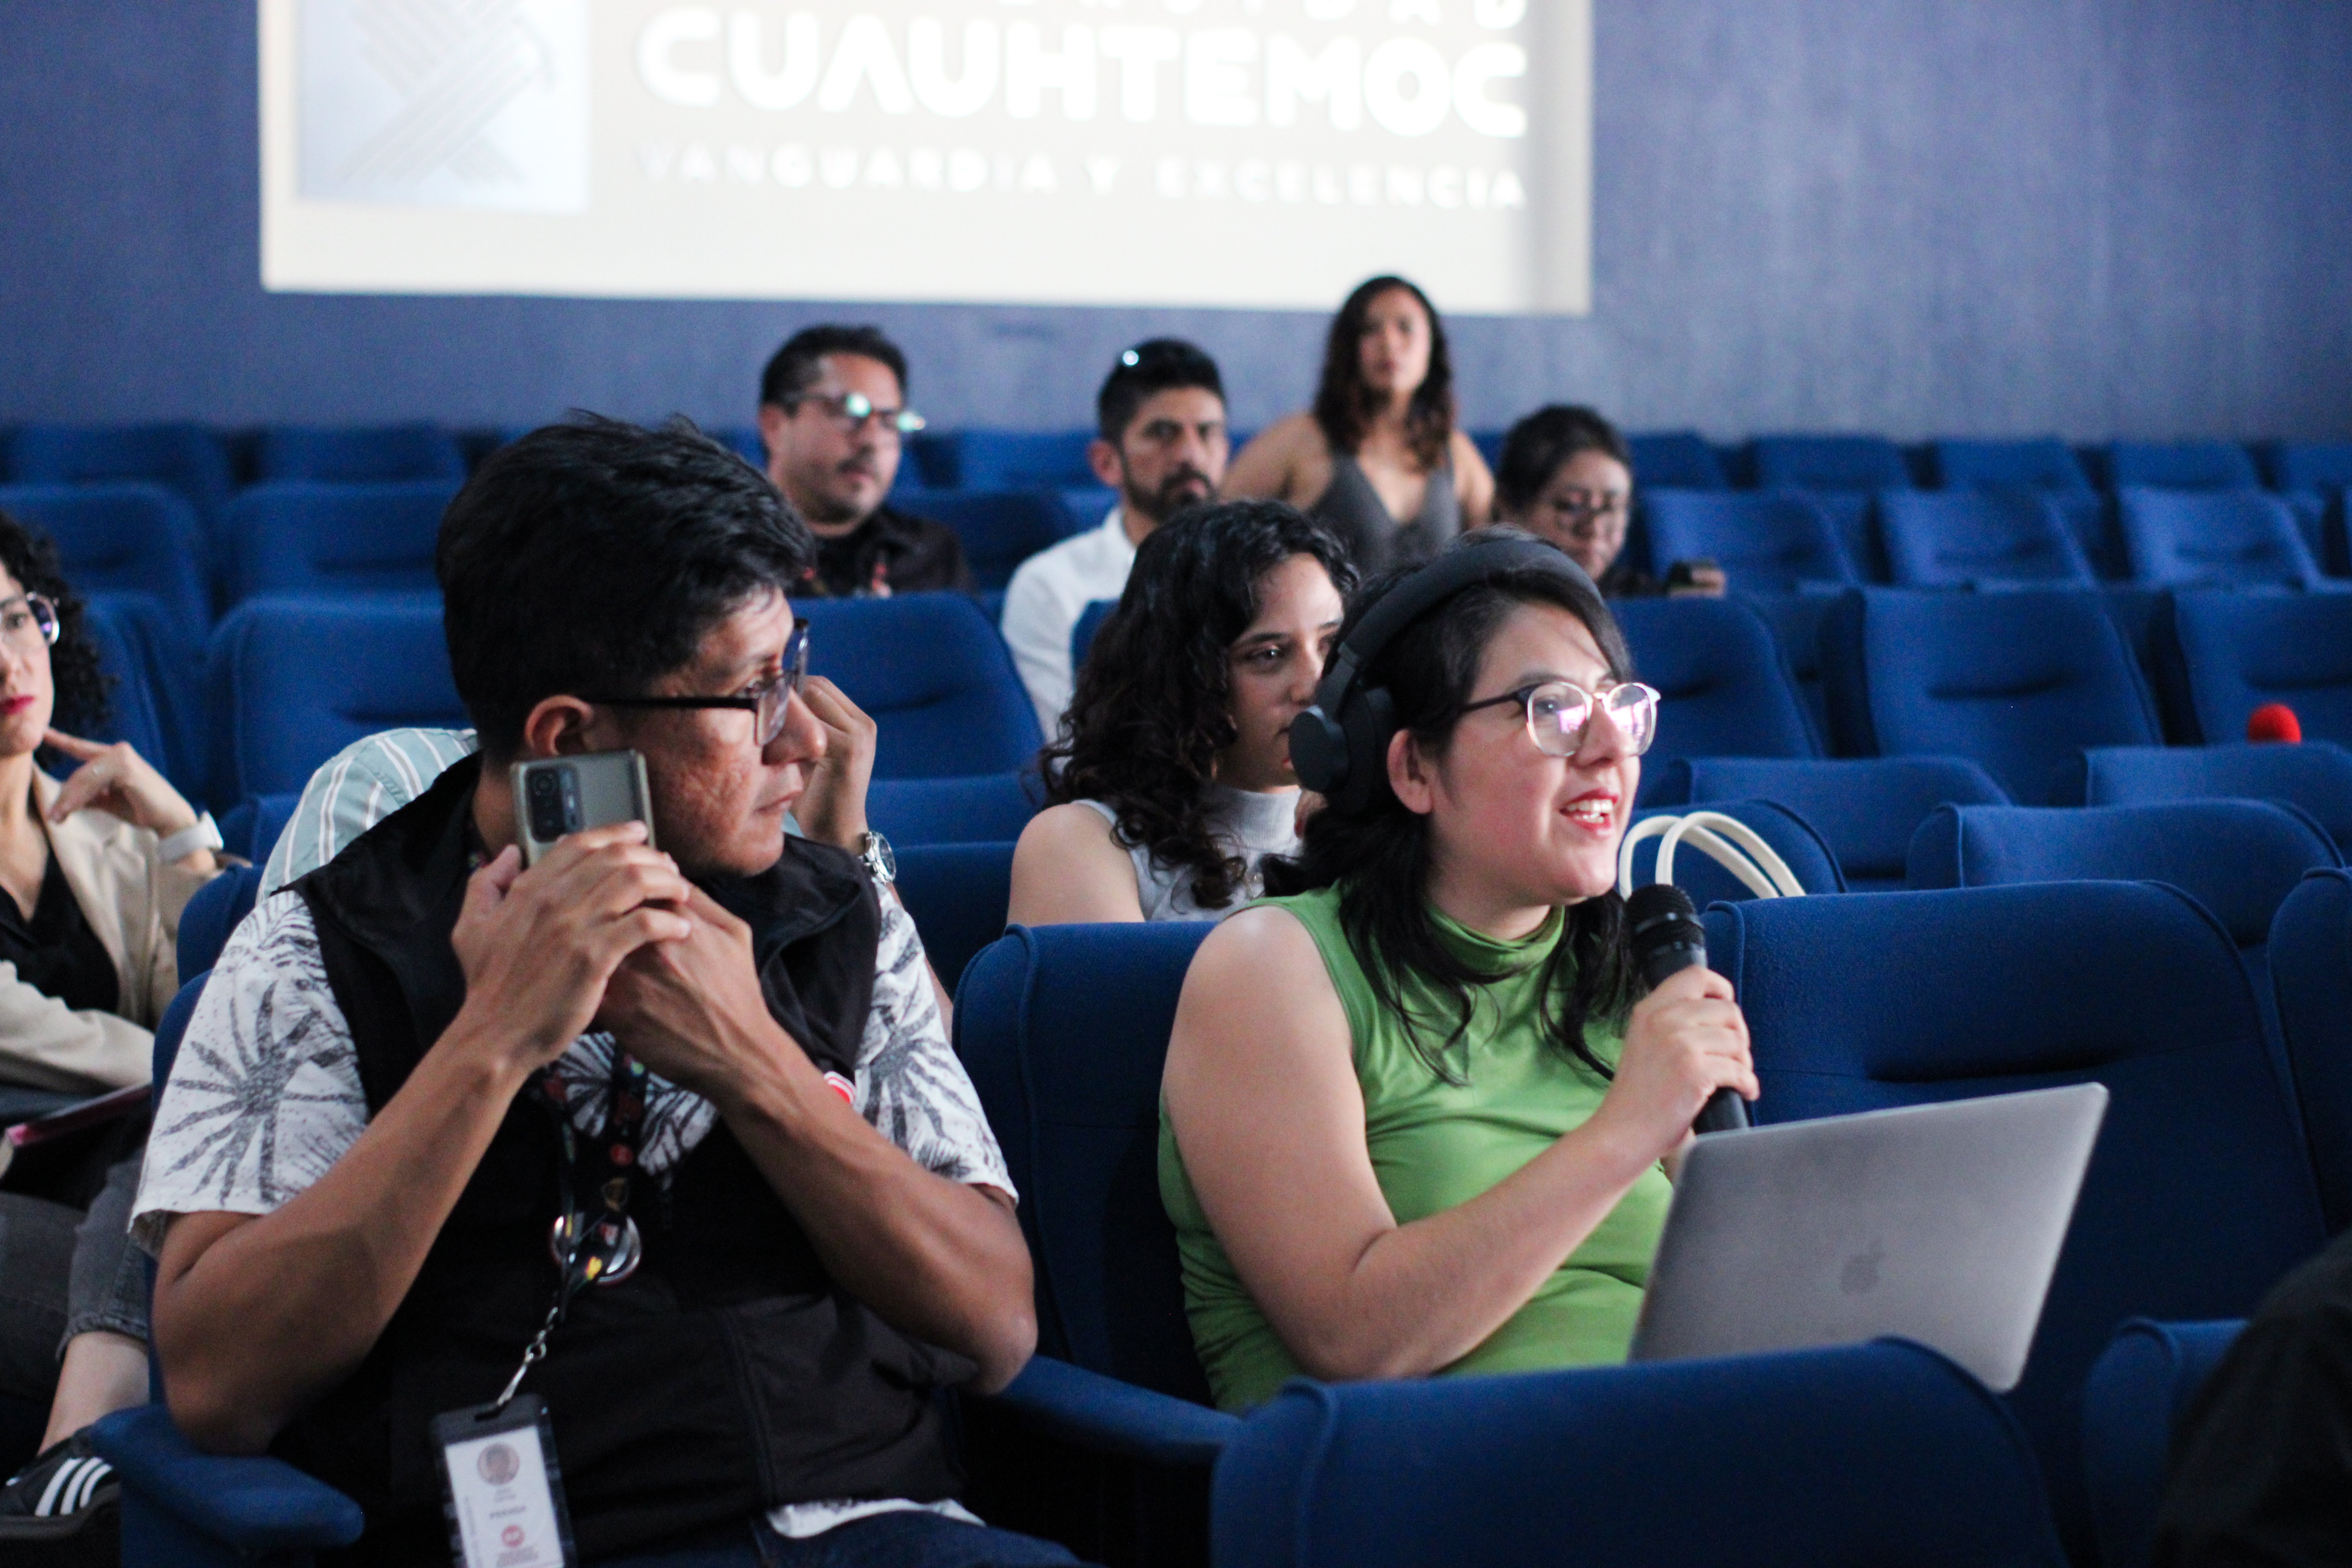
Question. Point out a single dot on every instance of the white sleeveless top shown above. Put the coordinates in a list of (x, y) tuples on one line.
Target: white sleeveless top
[(1249, 824)]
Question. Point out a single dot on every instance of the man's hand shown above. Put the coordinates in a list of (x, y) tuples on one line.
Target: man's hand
[(833, 809), (693, 1011)]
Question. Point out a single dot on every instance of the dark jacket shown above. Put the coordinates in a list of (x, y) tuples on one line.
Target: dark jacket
[(889, 550)]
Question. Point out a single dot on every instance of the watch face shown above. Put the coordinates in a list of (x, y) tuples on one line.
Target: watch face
[(880, 858)]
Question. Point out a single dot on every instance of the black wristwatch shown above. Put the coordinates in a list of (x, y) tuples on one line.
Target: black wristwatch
[(875, 850)]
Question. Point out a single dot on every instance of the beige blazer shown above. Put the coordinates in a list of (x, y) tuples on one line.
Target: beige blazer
[(132, 904)]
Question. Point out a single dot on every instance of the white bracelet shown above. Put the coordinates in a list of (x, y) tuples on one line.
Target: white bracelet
[(202, 834)]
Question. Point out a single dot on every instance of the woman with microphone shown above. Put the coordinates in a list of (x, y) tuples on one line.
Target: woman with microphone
[(1414, 1119)]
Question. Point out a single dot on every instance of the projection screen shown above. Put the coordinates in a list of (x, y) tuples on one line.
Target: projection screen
[(1220, 153)]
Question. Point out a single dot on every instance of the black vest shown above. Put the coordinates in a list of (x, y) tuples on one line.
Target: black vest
[(729, 1373)]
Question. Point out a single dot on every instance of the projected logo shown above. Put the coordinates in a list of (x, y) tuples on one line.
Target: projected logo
[(466, 103)]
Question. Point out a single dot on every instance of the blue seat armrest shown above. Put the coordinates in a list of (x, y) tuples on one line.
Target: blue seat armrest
[(1114, 1417), (255, 1505)]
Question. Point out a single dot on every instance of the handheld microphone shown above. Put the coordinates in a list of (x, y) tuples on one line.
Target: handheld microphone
[(2274, 722), (1667, 940)]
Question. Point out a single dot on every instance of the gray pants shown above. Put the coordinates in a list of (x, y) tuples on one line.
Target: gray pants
[(63, 1273)]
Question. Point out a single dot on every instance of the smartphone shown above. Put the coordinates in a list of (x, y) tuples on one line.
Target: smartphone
[(1684, 573), (556, 795)]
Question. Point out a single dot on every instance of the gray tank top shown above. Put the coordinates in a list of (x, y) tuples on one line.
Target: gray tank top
[(1352, 510), (1249, 824)]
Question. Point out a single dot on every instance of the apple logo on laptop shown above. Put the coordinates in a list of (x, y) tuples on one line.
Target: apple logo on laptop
[(1860, 1274)]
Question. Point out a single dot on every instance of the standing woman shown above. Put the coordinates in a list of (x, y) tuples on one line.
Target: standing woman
[(1378, 461)]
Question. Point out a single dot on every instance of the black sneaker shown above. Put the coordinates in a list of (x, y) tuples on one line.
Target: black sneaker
[(63, 1507)]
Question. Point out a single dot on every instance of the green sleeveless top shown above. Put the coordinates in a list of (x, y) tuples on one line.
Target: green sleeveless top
[(1436, 1144)]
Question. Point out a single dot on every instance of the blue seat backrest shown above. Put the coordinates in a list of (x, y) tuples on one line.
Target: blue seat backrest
[(1489, 444), (1007, 460), (2136, 1391), (2012, 681), (957, 894), (1796, 622), (1090, 621), (359, 453), (983, 808), (934, 674), (213, 915), (173, 1026), (1676, 460), (2219, 539), (187, 458), (304, 538), (1765, 544), (2181, 466), (2221, 656), (1789, 836), (2307, 465), (1867, 809), (1724, 688), (293, 681), (2315, 776), (1868, 1454), (2311, 975), (131, 538), (2198, 1196), (1958, 539), (250, 828), (2044, 465), (1829, 463), (133, 713), (1063, 1030), (163, 693), (999, 529)]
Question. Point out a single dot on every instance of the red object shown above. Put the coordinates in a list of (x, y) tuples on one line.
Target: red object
[(2274, 722)]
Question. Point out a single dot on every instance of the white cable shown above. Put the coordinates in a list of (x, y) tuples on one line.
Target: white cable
[(1726, 840)]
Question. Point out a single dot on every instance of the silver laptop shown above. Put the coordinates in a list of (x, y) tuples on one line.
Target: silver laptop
[(1936, 1223)]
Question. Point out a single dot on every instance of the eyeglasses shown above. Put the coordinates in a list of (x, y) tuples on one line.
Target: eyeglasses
[(1559, 712), (852, 409), (1584, 506), (767, 705), (28, 622)]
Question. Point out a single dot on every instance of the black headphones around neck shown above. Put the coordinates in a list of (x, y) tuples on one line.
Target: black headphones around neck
[(1339, 746)]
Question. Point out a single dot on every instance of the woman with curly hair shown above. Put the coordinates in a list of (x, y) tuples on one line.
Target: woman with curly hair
[(1173, 780), (1377, 460)]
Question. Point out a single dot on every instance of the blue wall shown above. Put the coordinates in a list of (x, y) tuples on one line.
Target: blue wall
[(2092, 217)]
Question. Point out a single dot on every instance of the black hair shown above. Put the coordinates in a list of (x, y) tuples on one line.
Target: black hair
[(1345, 402), (1379, 857), (1142, 373), (793, 369), (1152, 708), (81, 690), (593, 556), (1539, 443)]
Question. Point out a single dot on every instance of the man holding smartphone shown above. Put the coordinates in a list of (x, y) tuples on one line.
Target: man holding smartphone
[(693, 1107)]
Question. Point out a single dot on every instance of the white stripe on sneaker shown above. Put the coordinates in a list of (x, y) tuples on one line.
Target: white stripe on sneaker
[(93, 1477), (50, 1494)]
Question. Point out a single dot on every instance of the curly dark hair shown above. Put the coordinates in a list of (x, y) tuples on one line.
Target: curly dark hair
[(1379, 857), (1152, 710), (1345, 402), (83, 691)]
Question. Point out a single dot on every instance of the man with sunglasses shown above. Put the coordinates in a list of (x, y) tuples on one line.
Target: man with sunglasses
[(668, 1139), (834, 420)]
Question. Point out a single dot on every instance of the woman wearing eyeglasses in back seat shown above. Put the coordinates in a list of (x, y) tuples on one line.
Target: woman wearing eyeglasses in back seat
[(1414, 1121)]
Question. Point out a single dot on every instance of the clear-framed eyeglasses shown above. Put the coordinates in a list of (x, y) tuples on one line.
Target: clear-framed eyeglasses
[(1559, 712), (28, 622), (767, 703), (852, 409)]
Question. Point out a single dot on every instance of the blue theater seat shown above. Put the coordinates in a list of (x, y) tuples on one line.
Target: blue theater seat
[(1090, 622), (999, 529), (186, 458), (957, 894), (2181, 466), (359, 453), (744, 441), (1806, 853), (984, 808), (134, 711), (2136, 1391), (213, 915), (2221, 656), (335, 539), (1676, 460), (2014, 681), (1006, 459), (936, 677), (2184, 539), (251, 827), (1489, 444), (1859, 463), (1796, 622), (126, 538), (2047, 464), (1865, 809), (2311, 974), (1977, 539), (1864, 1455), (2198, 1196), (1725, 689), (293, 681), (1771, 543), (2316, 777), (2306, 465)]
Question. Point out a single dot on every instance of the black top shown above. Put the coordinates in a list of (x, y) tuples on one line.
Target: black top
[(890, 550), (2262, 1458), (56, 953)]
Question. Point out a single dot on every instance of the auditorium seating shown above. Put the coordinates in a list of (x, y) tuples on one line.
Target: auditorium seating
[(936, 677), (1872, 1454), (364, 455), (1090, 622), (984, 808), (159, 698), (2221, 656), (2181, 466), (132, 713), (2048, 464), (1977, 539), (957, 894), (2137, 1389), (128, 538), (999, 529), (2191, 539), (1796, 622), (1799, 846), (1862, 463), (2014, 681), (186, 458), (1765, 544), (1864, 809), (2315, 776), (334, 539), (2199, 1195), (1677, 460), (1006, 459), (213, 915), (1724, 688), (2311, 974), (2306, 465)]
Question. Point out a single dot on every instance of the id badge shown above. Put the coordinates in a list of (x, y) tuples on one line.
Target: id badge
[(502, 1490)]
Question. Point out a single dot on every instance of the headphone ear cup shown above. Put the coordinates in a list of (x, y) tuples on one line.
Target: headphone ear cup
[(1370, 721), (1318, 752)]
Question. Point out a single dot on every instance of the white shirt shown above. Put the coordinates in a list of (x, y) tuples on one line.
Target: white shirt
[(1043, 604)]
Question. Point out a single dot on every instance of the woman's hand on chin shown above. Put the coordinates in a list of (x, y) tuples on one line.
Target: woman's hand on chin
[(117, 780)]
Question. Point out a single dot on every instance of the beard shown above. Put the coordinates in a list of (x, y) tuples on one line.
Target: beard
[(1185, 486)]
